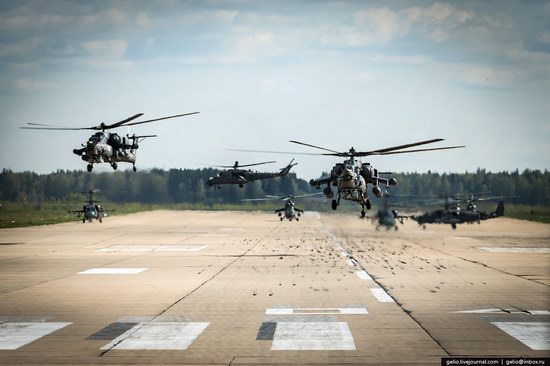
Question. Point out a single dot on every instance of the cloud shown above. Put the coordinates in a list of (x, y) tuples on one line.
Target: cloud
[(112, 48), (28, 85)]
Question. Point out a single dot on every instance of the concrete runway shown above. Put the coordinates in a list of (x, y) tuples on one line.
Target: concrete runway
[(233, 288)]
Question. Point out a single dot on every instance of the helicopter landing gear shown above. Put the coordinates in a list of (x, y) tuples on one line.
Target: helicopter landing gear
[(100, 221), (134, 168), (84, 220), (363, 213), (240, 185), (90, 167), (114, 165), (334, 205), (368, 204), (453, 225)]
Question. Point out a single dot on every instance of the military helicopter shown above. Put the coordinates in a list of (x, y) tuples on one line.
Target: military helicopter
[(387, 217), (236, 175), (290, 211), (108, 147), (91, 210), (453, 215), (351, 177)]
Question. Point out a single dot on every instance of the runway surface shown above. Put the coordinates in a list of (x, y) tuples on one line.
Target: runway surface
[(234, 288)]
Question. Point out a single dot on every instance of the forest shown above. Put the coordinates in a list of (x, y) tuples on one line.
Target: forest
[(157, 186)]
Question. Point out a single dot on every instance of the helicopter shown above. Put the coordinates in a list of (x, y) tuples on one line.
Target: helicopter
[(290, 211), (386, 217), (91, 210), (236, 175), (352, 176), (453, 215), (108, 147)]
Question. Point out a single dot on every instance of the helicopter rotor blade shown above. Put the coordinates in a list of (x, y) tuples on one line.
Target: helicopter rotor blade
[(120, 123), (158, 119), (273, 152), (41, 126), (399, 147), (313, 146), (419, 150)]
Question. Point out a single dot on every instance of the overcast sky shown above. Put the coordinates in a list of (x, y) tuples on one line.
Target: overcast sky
[(367, 74)]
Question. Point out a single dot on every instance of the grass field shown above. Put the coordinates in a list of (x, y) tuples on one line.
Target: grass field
[(18, 214)]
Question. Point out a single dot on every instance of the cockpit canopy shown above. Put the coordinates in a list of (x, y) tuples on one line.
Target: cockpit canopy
[(98, 137)]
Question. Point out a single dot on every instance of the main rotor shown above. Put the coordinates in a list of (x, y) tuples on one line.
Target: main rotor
[(102, 126)]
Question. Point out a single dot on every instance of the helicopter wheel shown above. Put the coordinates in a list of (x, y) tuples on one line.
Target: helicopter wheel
[(282, 218), (240, 186), (83, 221), (134, 168), (396, 227), (453, 226), (424, 227), (100, 221), (368, 204), (297, 219), (90, 167), (114, 165), (334, 204)]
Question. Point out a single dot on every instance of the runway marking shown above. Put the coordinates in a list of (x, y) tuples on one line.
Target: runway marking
[(14, 335), (159, 336), (362, 274), (112, 331), (314, 336), (316, 311), (514, 250), (504, 311), (266, 331), (113, 271), (153, 248), (534, 335), (381, 295)]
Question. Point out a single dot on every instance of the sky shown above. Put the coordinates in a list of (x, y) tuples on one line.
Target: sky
[(337, 74)]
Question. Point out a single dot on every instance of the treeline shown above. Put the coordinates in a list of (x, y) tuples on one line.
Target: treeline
[(530, 187), (154, 186)]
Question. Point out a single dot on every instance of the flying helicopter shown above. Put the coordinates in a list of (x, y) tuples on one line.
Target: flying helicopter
[(387, 217), (290, 211), (236, 175), (108, 147), (91, 210), (352, 176), (453, 215)]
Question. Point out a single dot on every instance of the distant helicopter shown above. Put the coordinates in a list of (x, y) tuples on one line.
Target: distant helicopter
[(387, 217), (453, 215), (91, 210), (351, 177), (108, 147), (290, 211), (236, 175)]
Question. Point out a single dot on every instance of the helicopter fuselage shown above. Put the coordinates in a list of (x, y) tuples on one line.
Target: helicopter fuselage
[(106, 147)]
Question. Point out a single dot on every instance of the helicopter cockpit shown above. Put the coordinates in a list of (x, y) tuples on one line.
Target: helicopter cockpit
[(98, 137)]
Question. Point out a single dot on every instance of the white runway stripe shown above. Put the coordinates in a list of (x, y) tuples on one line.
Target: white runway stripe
[(153, 248), (316, 311), (534, 335), (14, 335), (363, 275), (113, 271), (381, 295), (313, 336), (159, 336), (514, 250)]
